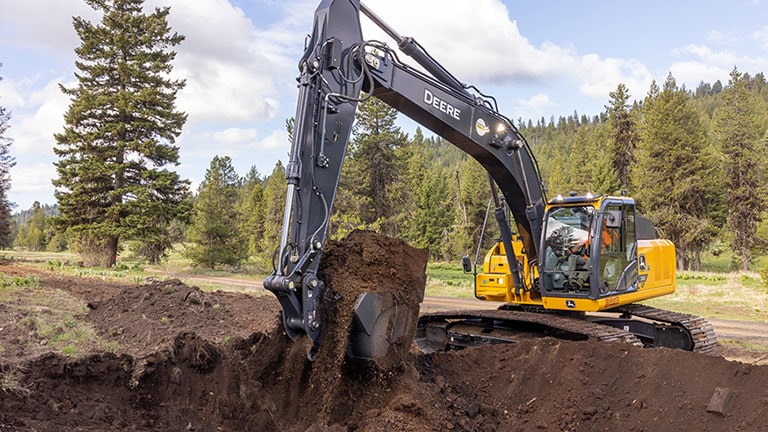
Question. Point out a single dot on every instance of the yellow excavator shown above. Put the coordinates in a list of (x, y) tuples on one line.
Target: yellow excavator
[(575, 267)]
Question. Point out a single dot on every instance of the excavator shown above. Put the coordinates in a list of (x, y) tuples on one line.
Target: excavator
[(576, 266)]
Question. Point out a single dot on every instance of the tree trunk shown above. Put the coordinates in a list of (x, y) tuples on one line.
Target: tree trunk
[(680, 259), (111, 251)]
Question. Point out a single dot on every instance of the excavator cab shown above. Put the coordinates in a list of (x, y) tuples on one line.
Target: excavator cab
[(589, 247), (589, 259)]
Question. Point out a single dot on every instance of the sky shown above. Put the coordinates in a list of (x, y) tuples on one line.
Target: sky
[(547, 58)]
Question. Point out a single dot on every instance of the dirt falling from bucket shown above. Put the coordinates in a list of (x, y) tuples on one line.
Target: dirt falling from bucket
[(362, 262)]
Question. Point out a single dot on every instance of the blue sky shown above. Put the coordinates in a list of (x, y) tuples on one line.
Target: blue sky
[(540, 59)]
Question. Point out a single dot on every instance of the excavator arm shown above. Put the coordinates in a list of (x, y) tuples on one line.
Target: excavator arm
[(338, 70)]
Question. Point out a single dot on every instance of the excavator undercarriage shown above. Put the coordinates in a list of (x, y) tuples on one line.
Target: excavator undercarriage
[(633, 324)]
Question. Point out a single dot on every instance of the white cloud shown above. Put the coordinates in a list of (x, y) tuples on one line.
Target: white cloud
[(600, 76), (537, 103), (40, 116), (478, 41), (235, 136), (31, 182), (277, 140), (703, 63), (229, 79), (693, 72), (10, 96), (42, 23), (707, 54), (761, 36), (32, 177), (238, 141), (235, 143)]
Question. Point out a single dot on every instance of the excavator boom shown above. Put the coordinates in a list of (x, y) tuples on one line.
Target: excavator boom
[(338, 70)]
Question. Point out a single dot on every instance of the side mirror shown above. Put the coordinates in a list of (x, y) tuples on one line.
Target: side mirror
[(613, 219), (466, 264)]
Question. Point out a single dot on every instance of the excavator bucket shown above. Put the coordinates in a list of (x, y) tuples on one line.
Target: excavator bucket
[(382, 329)]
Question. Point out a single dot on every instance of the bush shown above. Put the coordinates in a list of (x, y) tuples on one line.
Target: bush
[(764, 275)]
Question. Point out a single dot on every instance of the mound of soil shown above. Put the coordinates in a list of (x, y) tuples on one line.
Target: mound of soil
[(189, 360)]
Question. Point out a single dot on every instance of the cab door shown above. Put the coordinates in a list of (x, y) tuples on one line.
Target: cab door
[(615, 248)]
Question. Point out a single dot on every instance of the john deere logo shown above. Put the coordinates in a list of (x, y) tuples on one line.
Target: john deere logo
[(481, 127), (570, 304)]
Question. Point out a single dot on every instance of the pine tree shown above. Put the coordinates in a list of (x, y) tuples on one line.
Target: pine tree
[(6, 163), (426, 209), (113, 178), (471, 204), (33, 234), (274, 208), (674, 170), (739, 130), (251, 209), (624, 134), (372, 167), (215, 233)]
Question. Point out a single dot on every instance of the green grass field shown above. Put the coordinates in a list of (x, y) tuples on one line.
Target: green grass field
[(732, 295), (54, 318)]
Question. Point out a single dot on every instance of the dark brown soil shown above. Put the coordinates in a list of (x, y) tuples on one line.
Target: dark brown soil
[(194, 361)]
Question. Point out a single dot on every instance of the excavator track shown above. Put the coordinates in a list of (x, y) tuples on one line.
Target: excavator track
[(700, 330), (655, 328), (458, 329)]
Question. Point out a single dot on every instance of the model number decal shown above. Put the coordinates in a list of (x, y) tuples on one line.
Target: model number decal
[(612, 301), (441, 105)]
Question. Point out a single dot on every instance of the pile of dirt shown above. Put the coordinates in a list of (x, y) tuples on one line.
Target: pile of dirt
[(188, 360), (148, 317)]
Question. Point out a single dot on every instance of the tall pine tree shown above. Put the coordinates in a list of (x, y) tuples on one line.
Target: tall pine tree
[(472, 195), (215, 233), (624, 137), (674, 170), (426, 207), (739, 129), (371, 170), (118, 141), (274, 209), (32, 235), (251, 209), (6, 163)]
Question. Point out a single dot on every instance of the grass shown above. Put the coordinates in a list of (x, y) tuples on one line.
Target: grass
[(750, 346), (739, 296), (54, 319), (448, 280), (10, 381)]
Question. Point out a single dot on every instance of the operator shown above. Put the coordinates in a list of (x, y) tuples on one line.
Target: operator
[(607, 237)]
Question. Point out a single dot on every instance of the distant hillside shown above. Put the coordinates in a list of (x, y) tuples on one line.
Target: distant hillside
[(23, 216)]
